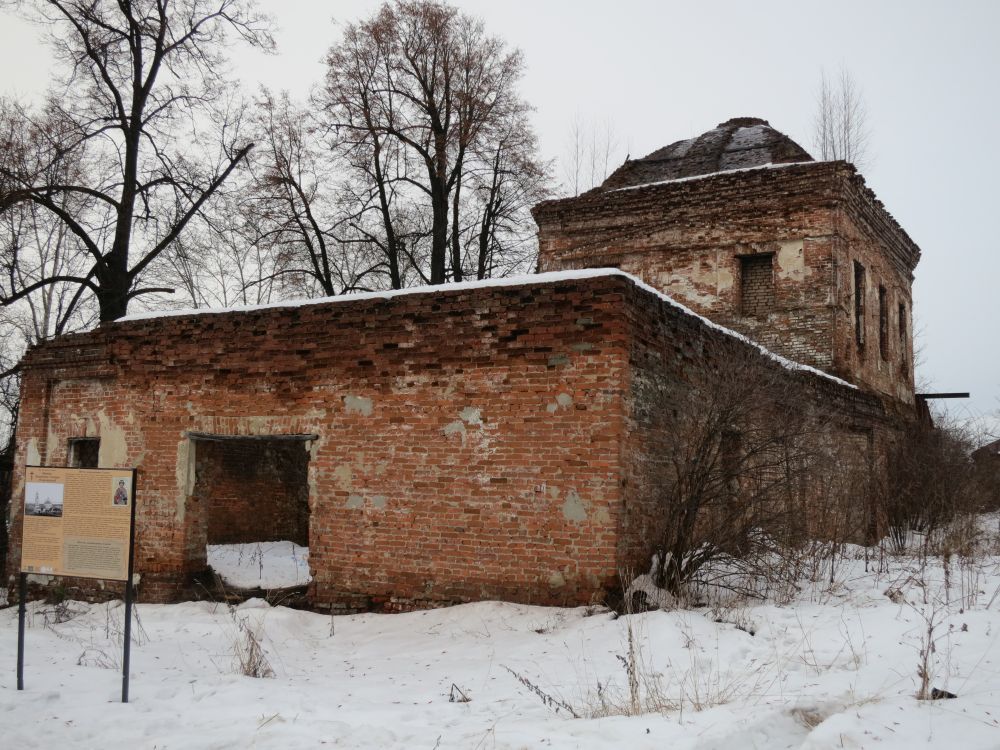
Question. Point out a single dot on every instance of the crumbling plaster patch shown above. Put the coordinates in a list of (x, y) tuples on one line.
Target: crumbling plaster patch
[(185, 473), (563, 401), (471, 415), (357, 502), (350, 476), (791, 263), (343, 475), (113, 451), (574, 508), (31, 454), (688, 285), (724, 277), (358, 405)]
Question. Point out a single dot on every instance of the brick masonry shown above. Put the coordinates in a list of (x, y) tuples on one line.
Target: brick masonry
[(692, 239), (463, 444), (757, 285)]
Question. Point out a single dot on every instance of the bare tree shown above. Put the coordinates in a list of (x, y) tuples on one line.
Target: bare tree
[(590, 153), (351, 105), (412, 92), (10, 385), (507, 179), (841, 123), (726, 468), (296, 205), (137, 80), (216, 262), (931, 479), (34, 244)]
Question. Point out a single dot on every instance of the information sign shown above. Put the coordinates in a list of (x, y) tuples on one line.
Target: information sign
[(77, 522)]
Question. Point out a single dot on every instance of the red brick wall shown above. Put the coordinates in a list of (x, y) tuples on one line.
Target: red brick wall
[(757, 285), (468, 441), (502, 442), (864, 237)]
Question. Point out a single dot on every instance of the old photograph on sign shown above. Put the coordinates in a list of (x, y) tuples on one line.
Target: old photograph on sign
[(43, 499)]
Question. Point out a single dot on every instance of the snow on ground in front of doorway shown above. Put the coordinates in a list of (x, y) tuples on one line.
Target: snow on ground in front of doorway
[(263, 565), (836, 666)]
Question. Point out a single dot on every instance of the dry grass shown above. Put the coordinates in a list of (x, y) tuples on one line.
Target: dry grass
[(249, 657)]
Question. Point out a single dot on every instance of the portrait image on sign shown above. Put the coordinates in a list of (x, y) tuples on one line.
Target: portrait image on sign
[(122, 490)]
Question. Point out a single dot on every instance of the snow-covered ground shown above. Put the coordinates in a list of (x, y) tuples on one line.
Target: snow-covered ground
[(265, 565), (837, 666)]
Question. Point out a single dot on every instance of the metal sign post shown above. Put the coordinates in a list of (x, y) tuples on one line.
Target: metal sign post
[(22, 594), (128, 599)]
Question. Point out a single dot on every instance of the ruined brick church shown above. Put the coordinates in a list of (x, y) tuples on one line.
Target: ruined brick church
[(499, 439)]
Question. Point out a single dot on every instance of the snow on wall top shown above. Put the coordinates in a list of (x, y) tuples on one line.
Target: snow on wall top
[(526, 280), (694, 177)]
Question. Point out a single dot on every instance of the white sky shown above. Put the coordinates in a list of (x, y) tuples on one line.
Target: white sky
[(663, 71)]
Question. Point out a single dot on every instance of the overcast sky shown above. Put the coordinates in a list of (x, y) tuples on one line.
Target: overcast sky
[(663, 71)]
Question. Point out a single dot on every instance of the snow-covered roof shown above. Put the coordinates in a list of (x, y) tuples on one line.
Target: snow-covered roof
[(734, 145), (526, 280)]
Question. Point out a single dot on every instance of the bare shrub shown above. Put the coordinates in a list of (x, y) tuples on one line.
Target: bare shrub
[(734, 611), (986, 475), (931, 489), (249, 657), (95, 656), (752, 471)]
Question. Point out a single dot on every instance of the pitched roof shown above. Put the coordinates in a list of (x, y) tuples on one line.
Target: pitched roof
[(740, 143)]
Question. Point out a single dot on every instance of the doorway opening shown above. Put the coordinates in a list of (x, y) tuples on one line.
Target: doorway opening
[(251, 501)]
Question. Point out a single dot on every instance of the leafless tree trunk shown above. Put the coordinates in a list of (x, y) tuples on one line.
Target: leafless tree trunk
[(841, 124), (592, 150), (506, 182), (295, 206), (35, 245)]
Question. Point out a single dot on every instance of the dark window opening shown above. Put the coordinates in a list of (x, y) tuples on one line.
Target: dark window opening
[(883, 323), (756, 284), (84, 452), (859, 304), (731, 454), (252, 489), (903, 344)]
